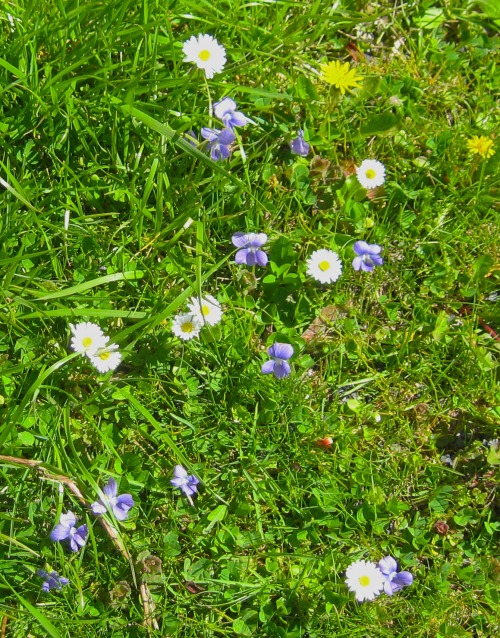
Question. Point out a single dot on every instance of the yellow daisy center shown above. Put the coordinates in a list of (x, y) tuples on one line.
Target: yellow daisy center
[(205, 310), (204, 55), (87, 342), (370, 173), (364, 581), (104, 356), (187, 327), (324, 265)]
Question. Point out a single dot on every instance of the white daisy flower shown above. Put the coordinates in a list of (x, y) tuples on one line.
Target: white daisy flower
[(208, 311), (364, 579), (206, 53), (186, 326), (87, 337), (371, 173), (106, 359), (324, 266)]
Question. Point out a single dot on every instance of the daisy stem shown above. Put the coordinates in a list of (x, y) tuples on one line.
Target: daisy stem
[(243, 158), (209, 100)]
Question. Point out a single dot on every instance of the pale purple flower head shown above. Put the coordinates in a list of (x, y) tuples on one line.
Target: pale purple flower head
[(368, 256), (225, 110), (299, 146), (394, 580), (278, 365), (249, 245), (119, 504), (66, 531), (52, 580), (187, 483), (219, 142)]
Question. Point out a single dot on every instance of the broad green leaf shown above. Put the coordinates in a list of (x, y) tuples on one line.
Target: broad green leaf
[(241, 628), (482, 266), (306, 89), (215, 516), (493, 457), (441, 326), (431, 19), (380, 124)]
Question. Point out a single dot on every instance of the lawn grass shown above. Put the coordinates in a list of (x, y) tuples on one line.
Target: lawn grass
[(398, 366)]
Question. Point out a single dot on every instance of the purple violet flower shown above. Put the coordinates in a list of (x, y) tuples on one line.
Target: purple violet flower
[(52, 580), (187, 483), (394, 580), (368, 256), (66, 530), (249, 245), (279, 366), (225, 110), (120, 505), (218, 142), (299, 146)]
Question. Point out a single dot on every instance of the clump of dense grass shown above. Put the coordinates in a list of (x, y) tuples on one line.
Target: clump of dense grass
[(397, 366)]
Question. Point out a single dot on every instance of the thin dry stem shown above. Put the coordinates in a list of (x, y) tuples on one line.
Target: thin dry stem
[(147, 601)]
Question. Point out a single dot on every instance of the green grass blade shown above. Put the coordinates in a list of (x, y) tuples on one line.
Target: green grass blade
[(88, 285), (174, 137), (17, 412), (44, 622)]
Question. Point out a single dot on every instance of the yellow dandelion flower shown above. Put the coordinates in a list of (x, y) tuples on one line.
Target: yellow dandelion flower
[(481, 146), (341, 76)]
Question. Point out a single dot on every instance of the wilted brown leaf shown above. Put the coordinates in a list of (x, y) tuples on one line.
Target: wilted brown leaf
[(323, 321)]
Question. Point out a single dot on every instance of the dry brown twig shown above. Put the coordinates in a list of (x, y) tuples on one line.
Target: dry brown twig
[(147, 601)]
